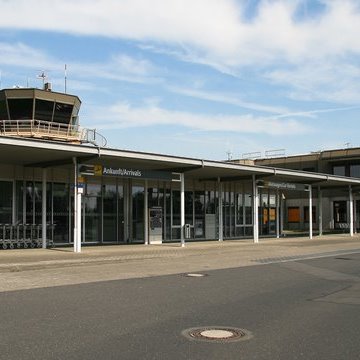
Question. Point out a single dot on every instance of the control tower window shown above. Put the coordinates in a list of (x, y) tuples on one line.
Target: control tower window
[(20, 109), (63, 113), (3, 111), (44, 110)]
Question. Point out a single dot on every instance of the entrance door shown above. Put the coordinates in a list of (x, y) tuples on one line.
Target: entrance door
[(136, 218), (113, 213), (340, 215), (110, 213), (61, 213), (92, 214)]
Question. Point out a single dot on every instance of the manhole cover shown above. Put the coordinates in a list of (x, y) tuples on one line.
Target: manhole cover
[(195, 275), (217, 334)]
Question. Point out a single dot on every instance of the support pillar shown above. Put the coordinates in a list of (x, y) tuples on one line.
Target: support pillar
[(77, 210), (75, 202), (355, 217), (282, 202), (310, 214), (255, 210), (320, 211), (78, 220), (43, 220), (146, 214), (221, 224), (277, 215), (351, 212), (182, 209)]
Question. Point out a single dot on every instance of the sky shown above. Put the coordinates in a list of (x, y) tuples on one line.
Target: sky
[(207, 79)]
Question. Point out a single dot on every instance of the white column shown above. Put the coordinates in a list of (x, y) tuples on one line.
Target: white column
[(255, 211), (282, 202), (146, 214), (78, 220), (277, 215), (310, 213), (75, 203), (221, 223), (351, 212), (43, 221), (355, 217), (320, 210), (182, 209)]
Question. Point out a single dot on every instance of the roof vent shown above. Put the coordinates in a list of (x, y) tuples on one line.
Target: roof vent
[(47, 86)]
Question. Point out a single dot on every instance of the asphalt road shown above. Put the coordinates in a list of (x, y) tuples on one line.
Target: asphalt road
[(294, 310)]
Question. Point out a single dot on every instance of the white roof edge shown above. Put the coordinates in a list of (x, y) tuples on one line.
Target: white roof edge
[(177, 159)]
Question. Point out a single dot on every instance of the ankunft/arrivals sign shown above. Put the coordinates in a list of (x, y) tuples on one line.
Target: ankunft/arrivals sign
[(100, 170)]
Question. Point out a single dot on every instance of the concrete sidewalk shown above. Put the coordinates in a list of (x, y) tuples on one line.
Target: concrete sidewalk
[(245, 252)]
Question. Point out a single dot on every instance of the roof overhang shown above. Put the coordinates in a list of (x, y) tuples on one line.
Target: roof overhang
[(35, 153)]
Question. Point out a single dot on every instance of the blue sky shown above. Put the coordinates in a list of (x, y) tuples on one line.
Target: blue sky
[(196, 78)]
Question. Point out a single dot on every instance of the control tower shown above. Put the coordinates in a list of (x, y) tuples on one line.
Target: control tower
[(42, 114)]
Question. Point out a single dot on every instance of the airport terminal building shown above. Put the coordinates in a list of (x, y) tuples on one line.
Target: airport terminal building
[(57, 188)]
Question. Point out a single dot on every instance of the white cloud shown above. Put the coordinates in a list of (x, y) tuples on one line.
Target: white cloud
[(123, 115), (326, 80), (214, 30), (226, 98), (19, 54), (120, 67)]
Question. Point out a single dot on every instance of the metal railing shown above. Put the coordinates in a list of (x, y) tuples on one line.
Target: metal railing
[(41, 129)]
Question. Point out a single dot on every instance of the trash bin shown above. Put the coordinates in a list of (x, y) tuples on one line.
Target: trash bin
[(187, 231)]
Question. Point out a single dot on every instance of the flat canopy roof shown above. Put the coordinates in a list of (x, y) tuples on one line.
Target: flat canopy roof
[(42, 154)]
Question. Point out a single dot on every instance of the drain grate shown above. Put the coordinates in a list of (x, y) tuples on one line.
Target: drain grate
[(217, 334), (195, 275)]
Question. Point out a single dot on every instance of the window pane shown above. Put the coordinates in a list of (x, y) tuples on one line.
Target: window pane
[(176, 207), (61, 212), (63, 113), (189, 195), (306, 214), (20, 109), (339, 170), (239, 209), (293, 214), (355, 170), (44, 110), (3, 110), (109, 213), (5, 202), (138, 213), (248, 209)]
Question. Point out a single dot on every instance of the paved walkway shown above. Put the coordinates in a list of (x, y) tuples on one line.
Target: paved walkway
[(245, 252), (38, 268)]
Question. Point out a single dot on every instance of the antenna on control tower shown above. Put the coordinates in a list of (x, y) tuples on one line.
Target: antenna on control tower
[(65, 78), (42, 76)]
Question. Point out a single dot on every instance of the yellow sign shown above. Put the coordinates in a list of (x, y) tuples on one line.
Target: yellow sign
[(97, 170)]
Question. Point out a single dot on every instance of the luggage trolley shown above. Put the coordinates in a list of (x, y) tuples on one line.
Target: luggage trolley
[(8, 239), (37, 236), (27, 235)]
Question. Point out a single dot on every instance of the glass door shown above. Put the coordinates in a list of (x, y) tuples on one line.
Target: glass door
[(61, 213), (92, 211), (110, 213), (340, 215), (137, 214)]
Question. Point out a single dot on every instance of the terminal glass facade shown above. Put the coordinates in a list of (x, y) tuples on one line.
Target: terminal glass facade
[(113, 209)]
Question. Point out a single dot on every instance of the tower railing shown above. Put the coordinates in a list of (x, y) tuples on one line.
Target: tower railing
[(41, 129)]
